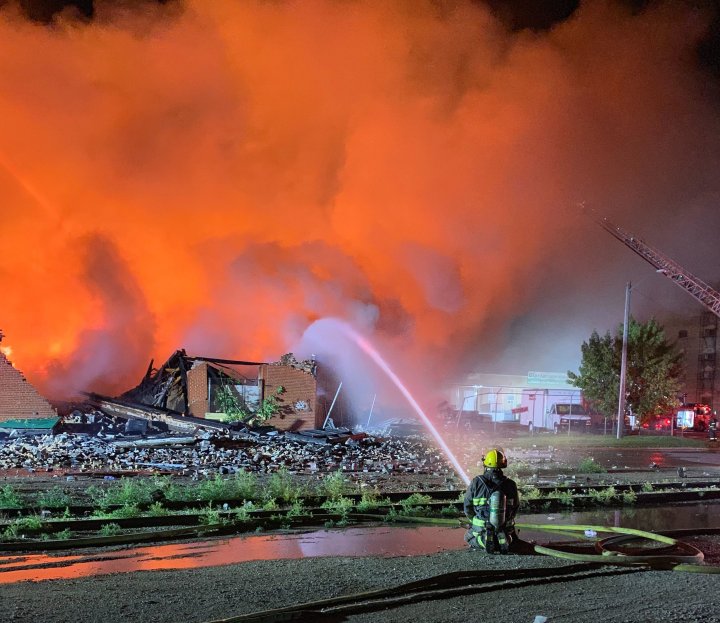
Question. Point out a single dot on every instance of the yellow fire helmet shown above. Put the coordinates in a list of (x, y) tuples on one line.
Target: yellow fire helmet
[(495, 458)]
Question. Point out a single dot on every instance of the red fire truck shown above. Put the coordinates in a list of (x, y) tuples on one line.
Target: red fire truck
[(693, 417)]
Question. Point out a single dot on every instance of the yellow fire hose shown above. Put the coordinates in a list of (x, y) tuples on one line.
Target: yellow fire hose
[(689, 560)]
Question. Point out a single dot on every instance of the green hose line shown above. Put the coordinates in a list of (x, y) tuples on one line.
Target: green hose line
[(582, 528), (688, 562)]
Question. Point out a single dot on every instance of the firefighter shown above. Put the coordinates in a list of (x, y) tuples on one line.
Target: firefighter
[(491, 503), (712, 429)]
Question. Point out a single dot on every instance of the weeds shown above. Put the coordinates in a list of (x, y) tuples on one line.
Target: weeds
[(246, 485), (125, 493), (449, 511), (281, 486), (341, 506), (517, 467), (371, 500), (296, 510), (19, 527), (109, 529), (647, 487), (412, 506), (243, 513), (566, 498), (214, 489), (333, 485), (629, 497), (54, 498), (126, 511), (270, 505), (603, 496), (589, 466), (9, 498), (64, 535), (157, 510), (528, 494), (211, 517)]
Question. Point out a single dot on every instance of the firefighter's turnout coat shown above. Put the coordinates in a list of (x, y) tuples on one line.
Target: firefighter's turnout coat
[(477, 503)]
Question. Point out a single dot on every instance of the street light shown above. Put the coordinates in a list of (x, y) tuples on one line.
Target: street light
[(623, 363)]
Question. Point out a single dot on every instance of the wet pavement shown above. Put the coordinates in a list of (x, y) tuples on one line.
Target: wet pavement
[(377, 541), (641, 458)]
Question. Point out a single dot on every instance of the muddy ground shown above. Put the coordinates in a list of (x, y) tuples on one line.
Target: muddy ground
[(211, 594)]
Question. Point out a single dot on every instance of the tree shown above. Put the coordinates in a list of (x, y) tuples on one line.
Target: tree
[(653, 370), (234, 411)]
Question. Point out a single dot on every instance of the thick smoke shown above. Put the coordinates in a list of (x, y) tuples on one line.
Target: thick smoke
[(220, 175)]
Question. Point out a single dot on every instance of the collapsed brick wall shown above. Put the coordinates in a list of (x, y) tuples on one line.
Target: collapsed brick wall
[(18, 398), (298, 403)]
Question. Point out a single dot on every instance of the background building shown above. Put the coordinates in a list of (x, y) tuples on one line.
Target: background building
[(697, 338)]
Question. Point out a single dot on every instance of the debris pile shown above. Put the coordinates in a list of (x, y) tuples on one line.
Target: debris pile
[(212, 453)]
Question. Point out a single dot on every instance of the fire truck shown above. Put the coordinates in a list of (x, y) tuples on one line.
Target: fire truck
[(693, 417)]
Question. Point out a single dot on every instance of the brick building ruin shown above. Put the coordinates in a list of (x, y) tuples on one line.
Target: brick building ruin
[(19, 400), (192, 386)]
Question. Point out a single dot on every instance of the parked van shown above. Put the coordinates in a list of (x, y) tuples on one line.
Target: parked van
[(553, 409)]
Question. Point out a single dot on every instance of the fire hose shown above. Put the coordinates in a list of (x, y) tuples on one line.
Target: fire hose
[(685, 558)]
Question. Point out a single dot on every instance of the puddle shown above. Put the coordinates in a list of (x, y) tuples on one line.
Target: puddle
[(375, 541)]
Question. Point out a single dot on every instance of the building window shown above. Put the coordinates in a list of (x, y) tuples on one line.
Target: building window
[(682, 333)]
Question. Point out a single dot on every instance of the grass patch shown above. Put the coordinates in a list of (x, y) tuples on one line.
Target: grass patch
[(608, 441)]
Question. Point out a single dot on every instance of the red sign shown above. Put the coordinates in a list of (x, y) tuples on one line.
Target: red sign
[(519, 410)]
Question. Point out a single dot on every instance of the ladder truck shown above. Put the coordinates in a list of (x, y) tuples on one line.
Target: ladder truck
[(698, 289), (694, 286)]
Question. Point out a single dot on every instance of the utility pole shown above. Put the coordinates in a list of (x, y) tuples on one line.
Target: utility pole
[(623, 364)]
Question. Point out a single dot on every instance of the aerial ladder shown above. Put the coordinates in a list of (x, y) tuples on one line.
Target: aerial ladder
[(694, 286)]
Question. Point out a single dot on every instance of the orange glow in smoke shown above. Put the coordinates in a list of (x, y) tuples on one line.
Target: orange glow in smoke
[(217, 175)]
